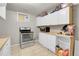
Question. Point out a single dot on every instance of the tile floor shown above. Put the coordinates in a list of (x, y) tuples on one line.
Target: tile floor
[(35, 50)]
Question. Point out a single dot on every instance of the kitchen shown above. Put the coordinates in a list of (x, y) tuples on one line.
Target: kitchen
[(38, 29)]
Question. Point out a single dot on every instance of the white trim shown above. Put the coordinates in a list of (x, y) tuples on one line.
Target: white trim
[(22, 13)]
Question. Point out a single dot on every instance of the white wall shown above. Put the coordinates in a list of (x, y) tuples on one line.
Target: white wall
[(2, 26), (76, 22), (12, 28)]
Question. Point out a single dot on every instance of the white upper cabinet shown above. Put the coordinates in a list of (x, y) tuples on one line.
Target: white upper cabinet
[(3, 10), (52, 18), (39, 22), (63, 16)]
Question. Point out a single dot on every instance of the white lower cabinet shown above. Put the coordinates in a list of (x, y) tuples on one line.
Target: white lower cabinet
[(51, 42), (48, 41), (6, 49)]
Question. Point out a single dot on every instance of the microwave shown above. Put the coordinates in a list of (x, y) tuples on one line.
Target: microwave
[(45, 29)]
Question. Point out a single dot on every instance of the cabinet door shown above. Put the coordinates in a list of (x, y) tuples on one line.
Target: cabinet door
[(41, 21), (38, 19), (48, 41), (8, 47), (42, 39), (3, 12), (45, 20), (51, 42), (52, 18), (64, 16), (6, 50)]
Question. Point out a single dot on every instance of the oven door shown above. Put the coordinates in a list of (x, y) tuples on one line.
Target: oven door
[(26, 37)]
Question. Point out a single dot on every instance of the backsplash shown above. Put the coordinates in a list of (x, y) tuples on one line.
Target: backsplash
[(56, 28)]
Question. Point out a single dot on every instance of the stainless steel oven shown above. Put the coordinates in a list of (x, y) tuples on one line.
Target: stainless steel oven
[(26, 37)]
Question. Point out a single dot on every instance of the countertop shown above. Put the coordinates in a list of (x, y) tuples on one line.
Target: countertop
[(3, 40), (56, 34)]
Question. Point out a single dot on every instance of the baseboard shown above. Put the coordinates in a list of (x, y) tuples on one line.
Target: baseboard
[(15, 45)]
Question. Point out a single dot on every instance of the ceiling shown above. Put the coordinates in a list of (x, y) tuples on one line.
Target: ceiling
[(31, 8)]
